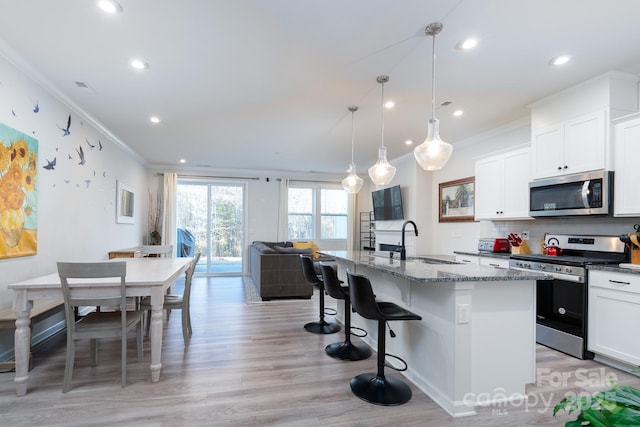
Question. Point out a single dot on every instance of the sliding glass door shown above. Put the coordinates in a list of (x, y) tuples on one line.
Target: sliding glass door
[(211, 219)]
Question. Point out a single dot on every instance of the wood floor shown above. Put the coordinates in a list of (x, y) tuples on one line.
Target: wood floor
[(255, 365)]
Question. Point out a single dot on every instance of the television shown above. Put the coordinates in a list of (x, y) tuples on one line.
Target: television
[(387, 204)]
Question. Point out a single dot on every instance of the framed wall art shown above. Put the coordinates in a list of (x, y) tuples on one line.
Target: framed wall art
[(457, 200), (125, 204), (18, 193)]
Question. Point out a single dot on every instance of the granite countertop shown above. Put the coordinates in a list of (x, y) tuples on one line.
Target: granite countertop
[(502, 255), (431, 269), (614, 268)]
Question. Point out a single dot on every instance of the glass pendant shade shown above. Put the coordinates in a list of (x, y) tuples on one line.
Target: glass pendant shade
[(382, 172), (352, 183), (433, 153)]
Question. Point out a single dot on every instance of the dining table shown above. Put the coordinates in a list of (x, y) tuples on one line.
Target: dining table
[(146, 277)]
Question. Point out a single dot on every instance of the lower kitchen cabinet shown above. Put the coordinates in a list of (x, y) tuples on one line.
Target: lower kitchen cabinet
[(614, 315), (489, 261)]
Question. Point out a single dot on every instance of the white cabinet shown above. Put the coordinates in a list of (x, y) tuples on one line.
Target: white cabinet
[(468, 259), (502, 186), (489, 261), (573, 146), (626, 157), (614, 315), (494, 262)]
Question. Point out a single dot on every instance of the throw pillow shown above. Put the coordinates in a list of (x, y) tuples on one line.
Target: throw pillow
[(307, 245)]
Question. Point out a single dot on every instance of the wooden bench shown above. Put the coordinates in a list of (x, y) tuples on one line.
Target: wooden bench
[(40, 310)]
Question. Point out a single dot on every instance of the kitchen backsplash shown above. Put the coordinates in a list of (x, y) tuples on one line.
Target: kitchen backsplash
[(575, 225)]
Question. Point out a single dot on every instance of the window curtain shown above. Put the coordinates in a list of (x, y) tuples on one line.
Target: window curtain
[(169, 210), (283, 211)]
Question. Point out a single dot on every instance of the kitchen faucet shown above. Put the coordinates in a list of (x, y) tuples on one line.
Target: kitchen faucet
[(403, 250)]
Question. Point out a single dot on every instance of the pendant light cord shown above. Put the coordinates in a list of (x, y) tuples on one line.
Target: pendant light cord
[(433, 79), (353, 110), (382, 117)]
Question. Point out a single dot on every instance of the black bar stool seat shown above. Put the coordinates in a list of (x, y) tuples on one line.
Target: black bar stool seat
[(377, 388), (309, 273), (345, 350)]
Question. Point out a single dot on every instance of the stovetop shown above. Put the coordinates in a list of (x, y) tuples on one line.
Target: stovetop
[(580, 250), (573, 260)]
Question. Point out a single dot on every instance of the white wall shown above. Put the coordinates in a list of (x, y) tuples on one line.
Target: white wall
[(76, 203)]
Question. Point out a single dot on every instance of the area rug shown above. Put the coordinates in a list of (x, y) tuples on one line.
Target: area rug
[(251, 292)]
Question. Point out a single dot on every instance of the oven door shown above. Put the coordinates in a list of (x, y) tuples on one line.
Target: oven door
[(561, 305), (561, 322)]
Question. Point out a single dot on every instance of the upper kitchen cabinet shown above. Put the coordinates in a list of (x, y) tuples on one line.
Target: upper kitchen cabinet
[(502, 186), (627, 152), (571, 132)]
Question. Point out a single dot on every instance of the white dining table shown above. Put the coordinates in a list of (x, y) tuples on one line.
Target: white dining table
[(145, 277)]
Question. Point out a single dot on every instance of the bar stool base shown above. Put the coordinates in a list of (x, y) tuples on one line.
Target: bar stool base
[(348, 351), (386, 391), (322, 327)]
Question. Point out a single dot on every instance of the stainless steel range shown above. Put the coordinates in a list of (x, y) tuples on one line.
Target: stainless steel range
[(562, 302)]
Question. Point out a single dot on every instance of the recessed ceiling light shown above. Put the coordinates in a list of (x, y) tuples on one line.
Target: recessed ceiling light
[(139, 64), (408, 142), (458, 113), (560, 60), (110, 6), (183, 161), (389, 104), (155, 120), (466, 44)]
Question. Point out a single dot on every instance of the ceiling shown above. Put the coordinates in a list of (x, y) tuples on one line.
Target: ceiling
[(265, 85)]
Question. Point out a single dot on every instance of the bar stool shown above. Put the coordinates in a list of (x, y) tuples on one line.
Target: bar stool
[(309, 273), (377, 388), (345, 350)]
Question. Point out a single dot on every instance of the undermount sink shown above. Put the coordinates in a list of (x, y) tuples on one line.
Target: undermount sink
[(427, 260)]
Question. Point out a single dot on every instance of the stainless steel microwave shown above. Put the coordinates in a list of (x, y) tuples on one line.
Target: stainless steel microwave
[(588, 193)]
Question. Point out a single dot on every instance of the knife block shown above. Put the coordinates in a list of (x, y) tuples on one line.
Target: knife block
[(522, 249)]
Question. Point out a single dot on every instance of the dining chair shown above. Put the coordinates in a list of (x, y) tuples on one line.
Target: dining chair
[(97, 324), (160, 251), (180, 302)]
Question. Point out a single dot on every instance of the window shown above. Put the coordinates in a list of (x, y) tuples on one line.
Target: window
[(317, 212)]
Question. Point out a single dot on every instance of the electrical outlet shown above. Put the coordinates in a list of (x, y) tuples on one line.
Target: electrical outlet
[(524, 235)]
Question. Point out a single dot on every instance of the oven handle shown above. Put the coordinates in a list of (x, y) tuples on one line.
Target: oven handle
[(585, 193)]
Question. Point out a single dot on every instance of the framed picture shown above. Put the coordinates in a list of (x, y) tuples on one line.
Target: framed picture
[(457, 200), (125, 204)]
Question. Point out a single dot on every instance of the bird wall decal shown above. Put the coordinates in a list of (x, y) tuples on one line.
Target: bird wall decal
[(51, 165), (92, 146), (80, 152), (66, 131)]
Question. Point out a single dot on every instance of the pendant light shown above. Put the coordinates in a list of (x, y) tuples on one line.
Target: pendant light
[(433, 153), (382, 172), (352, 183)]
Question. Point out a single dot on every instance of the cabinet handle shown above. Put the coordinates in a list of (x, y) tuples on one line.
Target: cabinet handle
[(466, 260), (618, 282), (559, 168), (565, 167), (494, 265)]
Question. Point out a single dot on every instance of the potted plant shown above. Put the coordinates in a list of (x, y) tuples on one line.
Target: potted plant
[(617, 407)]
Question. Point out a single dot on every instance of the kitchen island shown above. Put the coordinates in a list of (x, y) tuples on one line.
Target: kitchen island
[(475, 343)]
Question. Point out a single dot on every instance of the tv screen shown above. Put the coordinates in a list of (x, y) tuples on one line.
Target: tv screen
[(387, 204)]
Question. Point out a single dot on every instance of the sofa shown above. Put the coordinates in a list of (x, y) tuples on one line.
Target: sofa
[(276, 270)]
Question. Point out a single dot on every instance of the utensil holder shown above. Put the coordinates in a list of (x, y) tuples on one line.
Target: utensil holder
[(635, 254)]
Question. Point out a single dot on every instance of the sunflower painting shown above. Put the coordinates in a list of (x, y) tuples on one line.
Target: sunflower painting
[(18, 193)]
